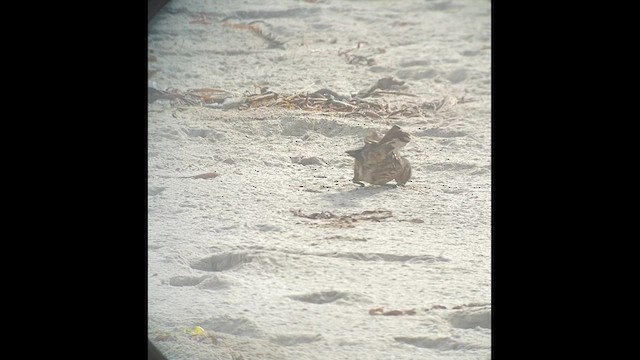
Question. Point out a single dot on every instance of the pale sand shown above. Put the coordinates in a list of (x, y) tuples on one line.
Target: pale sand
[(228, 254)]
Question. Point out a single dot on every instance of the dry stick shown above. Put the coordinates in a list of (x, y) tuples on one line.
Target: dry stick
[(256, 30), (370, 113), (343, 104), (317, 97), (263, 97), (360, 101), (397, 112), (393, 93), (324, 92), (316, 101)]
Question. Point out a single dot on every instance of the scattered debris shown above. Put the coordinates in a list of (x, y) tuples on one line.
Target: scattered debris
[(324, 100), (408, 111), (273, 43), (210, 95), (192, 97), (380, 311), (446, 103), (154, 94), (363, 57)]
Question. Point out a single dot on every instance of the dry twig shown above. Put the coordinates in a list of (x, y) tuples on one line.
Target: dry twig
[(273, 42)]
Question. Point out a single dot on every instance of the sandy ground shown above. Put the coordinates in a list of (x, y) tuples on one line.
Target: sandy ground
[(279, 255)]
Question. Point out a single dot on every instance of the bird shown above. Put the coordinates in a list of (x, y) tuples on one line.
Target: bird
[(379, 161)]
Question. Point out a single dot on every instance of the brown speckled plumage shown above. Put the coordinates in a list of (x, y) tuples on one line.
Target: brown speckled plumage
[(379, 161)]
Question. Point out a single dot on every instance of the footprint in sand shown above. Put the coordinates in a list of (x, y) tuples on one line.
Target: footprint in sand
[(203, 282)]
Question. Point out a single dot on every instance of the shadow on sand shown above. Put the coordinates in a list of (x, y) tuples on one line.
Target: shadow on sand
[(350, 198)]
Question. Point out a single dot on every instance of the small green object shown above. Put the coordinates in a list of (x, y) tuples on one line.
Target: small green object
[(195, 331)]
